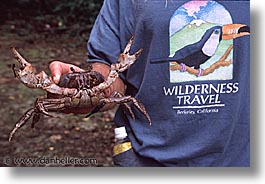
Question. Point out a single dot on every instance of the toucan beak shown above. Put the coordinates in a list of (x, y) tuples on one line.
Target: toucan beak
[(231, 31)]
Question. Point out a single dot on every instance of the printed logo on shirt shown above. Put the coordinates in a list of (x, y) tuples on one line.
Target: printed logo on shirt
[(201, 35), (201, 42)]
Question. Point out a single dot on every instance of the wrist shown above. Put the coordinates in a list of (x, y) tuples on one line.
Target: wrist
[(101, 68), (117, 85)]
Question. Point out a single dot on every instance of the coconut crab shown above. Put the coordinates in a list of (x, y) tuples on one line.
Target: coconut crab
[(77, 89)]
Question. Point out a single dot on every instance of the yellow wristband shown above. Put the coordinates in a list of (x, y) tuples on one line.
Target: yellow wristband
[(120, 148)]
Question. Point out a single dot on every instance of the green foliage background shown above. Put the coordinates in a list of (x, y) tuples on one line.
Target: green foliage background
[(56, 16)]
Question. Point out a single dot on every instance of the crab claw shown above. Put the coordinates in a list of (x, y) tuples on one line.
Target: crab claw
[(125, 60), (138, 53), (27, 75), (26, 72), (128, 46), (19, 58)]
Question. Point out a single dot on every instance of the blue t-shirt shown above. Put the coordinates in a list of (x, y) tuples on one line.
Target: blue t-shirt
[(192, 77)]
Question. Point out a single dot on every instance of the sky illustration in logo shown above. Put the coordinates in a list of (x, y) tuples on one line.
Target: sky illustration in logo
[(201, 42)]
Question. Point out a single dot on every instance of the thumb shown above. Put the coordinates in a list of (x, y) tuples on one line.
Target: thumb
[(56, 71), (56, 78)]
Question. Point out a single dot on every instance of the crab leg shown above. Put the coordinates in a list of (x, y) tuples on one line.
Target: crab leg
[(42, 106), (22, 121), (121, 99)]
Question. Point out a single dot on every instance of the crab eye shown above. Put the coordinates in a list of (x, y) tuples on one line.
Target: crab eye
[(216, 31)]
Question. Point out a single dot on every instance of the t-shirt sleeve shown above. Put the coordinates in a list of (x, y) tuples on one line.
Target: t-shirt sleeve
[(104, 42)]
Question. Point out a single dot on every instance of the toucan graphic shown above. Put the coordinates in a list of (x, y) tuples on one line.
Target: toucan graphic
[(195, 54)]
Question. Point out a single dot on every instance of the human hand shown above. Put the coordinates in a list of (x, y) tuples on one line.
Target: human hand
[(59, 68)]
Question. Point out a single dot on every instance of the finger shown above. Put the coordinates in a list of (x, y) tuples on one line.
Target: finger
[(56, 71), (58, 68)]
